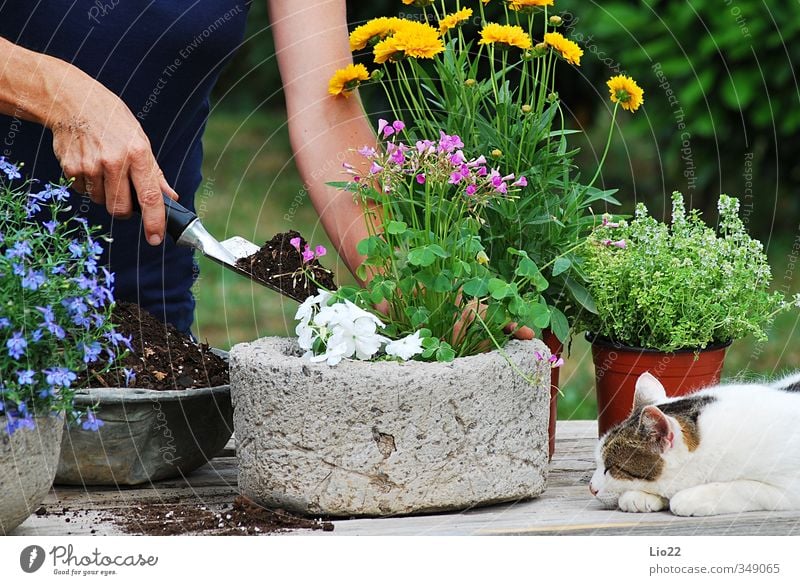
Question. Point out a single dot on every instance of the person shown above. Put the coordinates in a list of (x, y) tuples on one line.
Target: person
[(115, 95)]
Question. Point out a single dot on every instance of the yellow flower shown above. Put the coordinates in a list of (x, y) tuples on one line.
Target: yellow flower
[(506, 35), (420, 3), (374, 30), (453, 20), (626, 91), (414, 39), (569, 50), (526, 4), (346, 80)]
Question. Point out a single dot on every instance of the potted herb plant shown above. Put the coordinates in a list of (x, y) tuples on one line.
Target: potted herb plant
[(670, 298), (406, 410), (54, 320), (495, 87)]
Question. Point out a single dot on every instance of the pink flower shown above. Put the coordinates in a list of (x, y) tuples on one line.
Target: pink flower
[(471, 189), (455, 178), (457, 158), (606, 242), (609, 224), (320, 251), (308, 255), (481, 160), (375, 168), (398, 125), (424, 146), (295, 242), (421, 179), (521, 182), (538, 355), (556, 362), (384, 128), (398, 157), (620, 244), (367, 151)]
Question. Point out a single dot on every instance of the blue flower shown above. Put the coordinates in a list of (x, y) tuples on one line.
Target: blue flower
[(16, 345), (117, 338), (50, 323), (10, 169), (4, 323), (37, 335), (33, 280), (91, 352), (76, 249), (94, 248), (130, 376), (19, 250), (91, 266), (61, 377), (92, 423), (51, 226), (25, 377)]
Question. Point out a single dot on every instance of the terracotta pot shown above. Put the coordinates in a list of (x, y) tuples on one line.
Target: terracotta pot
[(555, 347), (617, 367)]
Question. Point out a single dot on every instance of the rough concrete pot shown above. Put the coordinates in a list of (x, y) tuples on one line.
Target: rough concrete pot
[(28, 460), (365, 438), (148, 435)]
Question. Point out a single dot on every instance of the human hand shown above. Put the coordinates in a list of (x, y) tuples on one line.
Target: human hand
[(100, 143)]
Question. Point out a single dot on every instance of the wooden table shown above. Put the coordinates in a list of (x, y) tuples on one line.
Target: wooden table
[(566, 508)]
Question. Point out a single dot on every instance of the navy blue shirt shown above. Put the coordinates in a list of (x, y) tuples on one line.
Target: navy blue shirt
[(162, 59)]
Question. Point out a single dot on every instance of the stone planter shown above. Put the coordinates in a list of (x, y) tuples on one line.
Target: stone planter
[(148, 435), (28, 460), (365, 438)]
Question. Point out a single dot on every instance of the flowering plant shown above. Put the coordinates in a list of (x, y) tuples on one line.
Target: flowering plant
[(56, 303), (496, 91), (682, 285), (424, 259)]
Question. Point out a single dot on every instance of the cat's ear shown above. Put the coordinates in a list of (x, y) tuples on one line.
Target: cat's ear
[(648, 391), (655, 425)]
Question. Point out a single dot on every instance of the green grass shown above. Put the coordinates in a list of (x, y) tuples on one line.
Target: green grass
[(252, 189)]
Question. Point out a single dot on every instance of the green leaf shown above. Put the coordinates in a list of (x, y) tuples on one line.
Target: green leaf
[(417, 315), (527, 268), (539, 315), (559, 324), (396, 227), (423, 256), (498, 288), (561, 265), (476, 287), (445, 353), (442, 283), (581, 295), (438, 250)]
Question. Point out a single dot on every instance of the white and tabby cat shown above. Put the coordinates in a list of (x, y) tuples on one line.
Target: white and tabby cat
[(725, 449)]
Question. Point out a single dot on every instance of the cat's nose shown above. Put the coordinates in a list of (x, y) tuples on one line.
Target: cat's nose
[(592, 490)]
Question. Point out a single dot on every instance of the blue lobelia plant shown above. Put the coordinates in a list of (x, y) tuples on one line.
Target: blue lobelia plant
[(55, 304)]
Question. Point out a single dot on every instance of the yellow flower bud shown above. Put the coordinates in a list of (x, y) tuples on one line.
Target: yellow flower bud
[(556, 20), (496, 153), (526, 109), (482, 258), (470, 82), (552, 97)]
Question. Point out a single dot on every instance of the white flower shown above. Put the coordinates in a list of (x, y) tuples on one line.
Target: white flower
[(305, 335), (405, 348), (333, 354), (322, 298), (306, 309), (359, 337)]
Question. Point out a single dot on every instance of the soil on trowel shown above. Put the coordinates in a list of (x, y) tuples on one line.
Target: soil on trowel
[(244, 517), (280, 265), (163, 358)]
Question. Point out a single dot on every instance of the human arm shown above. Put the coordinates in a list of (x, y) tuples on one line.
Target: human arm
[(96, 138), (311, 42)]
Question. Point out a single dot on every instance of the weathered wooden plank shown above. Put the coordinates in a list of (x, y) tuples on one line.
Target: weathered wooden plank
[(566, 508)]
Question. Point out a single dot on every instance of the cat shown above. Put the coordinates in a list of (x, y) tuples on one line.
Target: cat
[(725, 449)]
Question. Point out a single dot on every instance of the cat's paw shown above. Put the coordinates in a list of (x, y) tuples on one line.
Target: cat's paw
[(636, 501), (693, 502)]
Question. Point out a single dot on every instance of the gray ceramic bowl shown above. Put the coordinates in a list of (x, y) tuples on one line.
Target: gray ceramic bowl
[(148, 435)]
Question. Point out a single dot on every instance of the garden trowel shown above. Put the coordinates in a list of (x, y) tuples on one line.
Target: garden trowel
[(187, 230)]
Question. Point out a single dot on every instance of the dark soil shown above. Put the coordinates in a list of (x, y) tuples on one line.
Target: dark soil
[(280, 265), (162, 358), (243, 517)]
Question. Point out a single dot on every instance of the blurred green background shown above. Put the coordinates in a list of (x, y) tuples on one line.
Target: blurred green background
[(721, 114)]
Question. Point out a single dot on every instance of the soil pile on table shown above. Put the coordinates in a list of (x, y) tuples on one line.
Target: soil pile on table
[(244, 517), (163, 358), (280, 265)]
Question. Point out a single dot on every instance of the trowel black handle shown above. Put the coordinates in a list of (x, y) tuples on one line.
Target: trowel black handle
[(178, 217)]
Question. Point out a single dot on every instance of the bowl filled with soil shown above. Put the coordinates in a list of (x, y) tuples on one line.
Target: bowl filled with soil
[(169, 415)]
